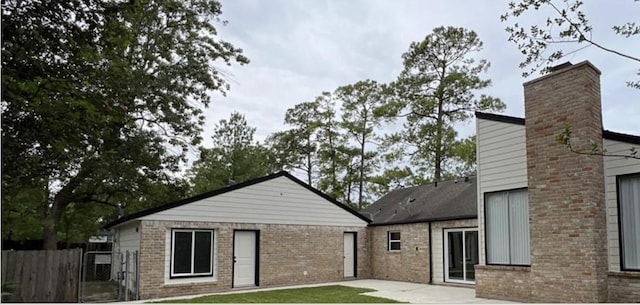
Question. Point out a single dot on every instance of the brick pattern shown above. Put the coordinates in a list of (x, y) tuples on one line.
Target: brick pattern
[(624, 287), (286, 252), (566, 190), (411, 263), (503, 282)]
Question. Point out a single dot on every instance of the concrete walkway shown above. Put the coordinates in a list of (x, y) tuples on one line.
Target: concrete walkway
[(421, 293), (399, 291)]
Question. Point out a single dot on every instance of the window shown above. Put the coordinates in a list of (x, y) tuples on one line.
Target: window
[(507, 227), (394, 241), (191, 253), (629, 217)]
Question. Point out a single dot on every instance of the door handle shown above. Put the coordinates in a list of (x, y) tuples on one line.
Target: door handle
[(234, 259)]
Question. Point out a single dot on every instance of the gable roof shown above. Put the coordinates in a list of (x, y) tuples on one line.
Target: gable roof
[(229, 189), (606, 134), (448, 200)]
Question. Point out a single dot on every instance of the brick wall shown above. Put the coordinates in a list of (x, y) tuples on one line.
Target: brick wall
[(624, 287), (566, 190), (411, 263), (503, 282), (286, 252)]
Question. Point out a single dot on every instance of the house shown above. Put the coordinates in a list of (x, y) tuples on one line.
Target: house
[(270, 231), (556, 225), (538, 223), (426, 233)]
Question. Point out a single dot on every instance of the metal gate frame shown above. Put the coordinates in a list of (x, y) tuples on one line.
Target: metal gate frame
[(124, 272)]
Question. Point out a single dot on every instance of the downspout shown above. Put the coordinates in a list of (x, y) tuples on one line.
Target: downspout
[(430, 257)]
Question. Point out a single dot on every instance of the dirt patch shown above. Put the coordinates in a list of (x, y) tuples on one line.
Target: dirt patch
[(100, 291)]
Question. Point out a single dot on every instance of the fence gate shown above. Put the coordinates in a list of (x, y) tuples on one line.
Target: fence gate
[(109, 276)]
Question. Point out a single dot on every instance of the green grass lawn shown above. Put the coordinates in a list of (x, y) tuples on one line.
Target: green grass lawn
[(322, 294)]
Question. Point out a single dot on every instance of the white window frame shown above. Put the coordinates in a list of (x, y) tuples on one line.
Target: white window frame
[(464, 231), (509, 246), (621, 225), (193, 245), (391, 241)]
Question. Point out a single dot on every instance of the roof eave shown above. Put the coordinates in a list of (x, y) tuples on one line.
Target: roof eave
[(423, 220), (606, 134)]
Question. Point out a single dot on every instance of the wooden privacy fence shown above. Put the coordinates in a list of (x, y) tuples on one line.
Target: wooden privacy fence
[(42, 276)]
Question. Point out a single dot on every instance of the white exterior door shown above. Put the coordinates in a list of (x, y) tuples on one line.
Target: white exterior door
[(244, 258), (349, 254)]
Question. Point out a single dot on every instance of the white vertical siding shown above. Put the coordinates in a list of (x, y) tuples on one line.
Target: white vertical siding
[(614, 166), (502, 163), (276, 201)]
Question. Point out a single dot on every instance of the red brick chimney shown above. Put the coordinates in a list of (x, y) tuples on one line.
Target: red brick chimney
[(566, 190)]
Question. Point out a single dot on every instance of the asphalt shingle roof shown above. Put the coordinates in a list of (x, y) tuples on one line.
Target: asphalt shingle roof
[(453, 199)]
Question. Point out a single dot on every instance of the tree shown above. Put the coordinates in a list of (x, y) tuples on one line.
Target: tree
[(568, 25), (99, 98), (332, 151), (285, 150), (390, 180), (564, 137), (464, 157), (359, 103), (23, 219), (318, 146), (234, 157), (436, 89), (348, 185), (302, 140)]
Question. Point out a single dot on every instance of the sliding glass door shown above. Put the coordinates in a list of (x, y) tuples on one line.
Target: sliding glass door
[(461, 254)]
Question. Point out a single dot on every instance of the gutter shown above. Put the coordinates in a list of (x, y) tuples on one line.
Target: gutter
[(428, 220)]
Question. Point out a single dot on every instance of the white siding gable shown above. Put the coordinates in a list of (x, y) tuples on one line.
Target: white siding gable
[(502, 163), (614, 166), (127, 237), (276, 201)]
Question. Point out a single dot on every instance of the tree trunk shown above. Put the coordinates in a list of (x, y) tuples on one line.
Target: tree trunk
[(50, 232), (60, 202), (348, 195), (438, 152), (309, 168), (332, 152), (361, 182), (439, 123)]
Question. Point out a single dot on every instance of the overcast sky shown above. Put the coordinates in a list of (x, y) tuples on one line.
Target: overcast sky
[(299, 48)]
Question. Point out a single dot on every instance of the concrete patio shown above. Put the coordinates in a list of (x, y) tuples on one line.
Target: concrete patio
[(400, 291), (421, 293)]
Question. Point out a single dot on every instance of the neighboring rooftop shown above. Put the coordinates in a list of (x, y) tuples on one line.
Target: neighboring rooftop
[(445, 200)]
